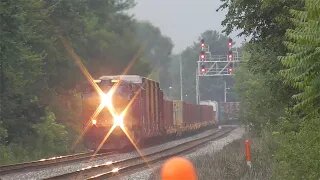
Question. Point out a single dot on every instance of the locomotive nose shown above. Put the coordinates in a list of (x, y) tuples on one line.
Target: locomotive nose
[(120, 103)]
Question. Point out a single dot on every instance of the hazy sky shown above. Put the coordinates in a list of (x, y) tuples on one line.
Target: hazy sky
[(181, 20)]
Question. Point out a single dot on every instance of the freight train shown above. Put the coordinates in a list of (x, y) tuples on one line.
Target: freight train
[(148, 115)]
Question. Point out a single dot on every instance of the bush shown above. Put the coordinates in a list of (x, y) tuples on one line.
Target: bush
[(50, 139), (51, 136), (299, 154)]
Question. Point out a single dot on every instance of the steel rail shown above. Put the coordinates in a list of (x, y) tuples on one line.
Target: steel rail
[(110, 169), (49, 162)]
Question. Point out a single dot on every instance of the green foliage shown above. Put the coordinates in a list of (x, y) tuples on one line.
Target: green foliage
[(302, 61), (265, 22), (263, 96), (266, 95), (3, 133), (40, 110), (298, 156), (262, 20), (20, 67), (51, 137)]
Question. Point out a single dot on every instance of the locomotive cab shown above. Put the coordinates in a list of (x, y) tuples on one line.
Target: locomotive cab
[(140, 98), (124, 97)]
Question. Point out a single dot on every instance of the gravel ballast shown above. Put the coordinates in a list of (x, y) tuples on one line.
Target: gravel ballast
[(211, 147), (71, 167)]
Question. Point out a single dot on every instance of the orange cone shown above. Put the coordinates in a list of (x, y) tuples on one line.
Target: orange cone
[(178, 168)]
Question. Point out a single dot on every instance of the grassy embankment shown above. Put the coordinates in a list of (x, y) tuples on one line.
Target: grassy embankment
[(229, 163)]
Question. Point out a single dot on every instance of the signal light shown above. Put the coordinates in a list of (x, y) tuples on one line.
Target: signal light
[(229, 43), (202, 55), (230, 55), (203, 69), (230, 70), (202, 43)]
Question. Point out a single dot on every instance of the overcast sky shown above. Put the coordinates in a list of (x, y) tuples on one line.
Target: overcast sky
[(181, 20)]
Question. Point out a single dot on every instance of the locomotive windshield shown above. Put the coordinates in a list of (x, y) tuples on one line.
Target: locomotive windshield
[(123, 89)]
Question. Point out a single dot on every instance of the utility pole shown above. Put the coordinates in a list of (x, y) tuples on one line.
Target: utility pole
[(225, 91), (197, 87), (1, 88), (181, 90)]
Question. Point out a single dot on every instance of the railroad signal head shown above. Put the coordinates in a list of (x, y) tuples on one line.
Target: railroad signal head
[(202, 55), (202, 44), (203, 69), (230, 55), (229, 43)]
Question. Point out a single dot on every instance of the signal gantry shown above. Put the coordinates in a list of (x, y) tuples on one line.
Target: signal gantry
[(215, 65)]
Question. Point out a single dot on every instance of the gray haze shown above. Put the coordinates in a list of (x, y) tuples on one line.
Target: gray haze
[(181, 20)]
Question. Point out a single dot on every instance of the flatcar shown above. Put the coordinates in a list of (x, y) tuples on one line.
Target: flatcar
[(147, 113)]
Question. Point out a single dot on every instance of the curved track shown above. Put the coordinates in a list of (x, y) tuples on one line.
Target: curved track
[(47, 163), (111, 169), (107, 169)]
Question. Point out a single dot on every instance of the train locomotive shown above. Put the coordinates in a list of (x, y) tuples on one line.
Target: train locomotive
[(148, 114)]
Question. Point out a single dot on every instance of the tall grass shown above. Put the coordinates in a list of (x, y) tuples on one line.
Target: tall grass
[(229, 163)]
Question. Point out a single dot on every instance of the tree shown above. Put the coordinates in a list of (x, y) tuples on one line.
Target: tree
[(20, 66), (299, 156), (258, 106), (39, 97), (157, 51), (266, 23), (262, 20), (302, 62)]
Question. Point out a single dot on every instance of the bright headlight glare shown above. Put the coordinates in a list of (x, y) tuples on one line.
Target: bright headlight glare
[(118, 121), (106, 100)]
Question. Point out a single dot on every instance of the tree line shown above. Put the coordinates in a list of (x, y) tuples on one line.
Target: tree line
[(40, 101), (278, 83)]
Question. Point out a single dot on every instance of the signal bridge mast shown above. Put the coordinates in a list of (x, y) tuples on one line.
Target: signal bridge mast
[(215, 65)]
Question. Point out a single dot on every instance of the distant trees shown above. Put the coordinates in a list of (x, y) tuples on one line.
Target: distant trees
[(210, 88), (157, 52), (40, 105)]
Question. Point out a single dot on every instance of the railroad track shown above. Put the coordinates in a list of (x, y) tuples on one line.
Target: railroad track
[(108, 169), (47, 163), (111, 169)]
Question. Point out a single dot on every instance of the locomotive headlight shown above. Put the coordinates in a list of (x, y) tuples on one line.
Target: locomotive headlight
[(118, 121), (106, 99)]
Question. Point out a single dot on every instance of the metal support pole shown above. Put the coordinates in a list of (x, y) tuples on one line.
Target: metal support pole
[(2, 88), (225, 91), (181, 90), (197, 86)]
